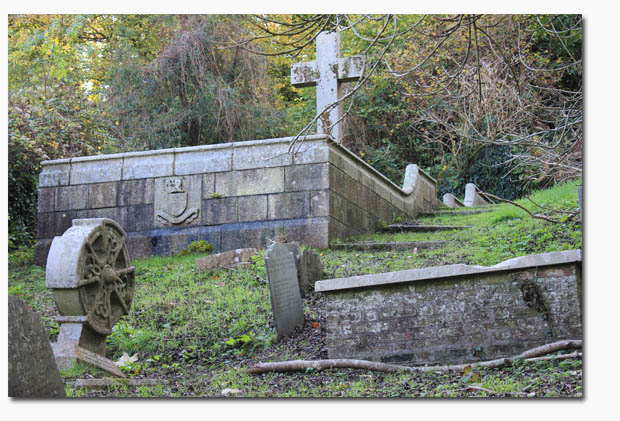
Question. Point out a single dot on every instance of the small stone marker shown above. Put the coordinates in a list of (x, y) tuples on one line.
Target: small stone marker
[(284, 287), (227, 258), (310, 270), (32, 369), (88, 270)]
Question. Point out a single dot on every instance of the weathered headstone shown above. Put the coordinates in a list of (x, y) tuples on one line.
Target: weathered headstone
[(32, 370), (328, 72), (310, 270), (89, 272), (284, 288)]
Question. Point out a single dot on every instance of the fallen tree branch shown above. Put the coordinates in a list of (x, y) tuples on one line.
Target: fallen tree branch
[(303, 365), (533, 215)]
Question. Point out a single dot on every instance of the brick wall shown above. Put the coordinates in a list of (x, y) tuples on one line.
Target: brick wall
[(456, 319)]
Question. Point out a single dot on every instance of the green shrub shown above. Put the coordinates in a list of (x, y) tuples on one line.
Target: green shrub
[(197, 247)]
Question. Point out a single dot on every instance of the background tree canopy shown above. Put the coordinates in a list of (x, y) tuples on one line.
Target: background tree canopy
[(490, 99)]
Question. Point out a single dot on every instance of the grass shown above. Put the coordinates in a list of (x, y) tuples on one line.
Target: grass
[(200, 330)]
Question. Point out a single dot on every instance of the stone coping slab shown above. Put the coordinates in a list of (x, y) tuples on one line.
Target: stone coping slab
[(456, 212), (423, 228), (123, 173), (388, 245), (449, 271), (199, 148)]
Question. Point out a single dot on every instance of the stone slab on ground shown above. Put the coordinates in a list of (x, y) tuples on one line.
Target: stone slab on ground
[(457, 212), (32, 369), (284, 288), (406, 245), (227, 258), (107, 382), (457, 313), (423, 228)]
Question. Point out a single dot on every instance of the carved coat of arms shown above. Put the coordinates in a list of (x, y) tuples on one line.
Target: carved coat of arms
[(173, 207)]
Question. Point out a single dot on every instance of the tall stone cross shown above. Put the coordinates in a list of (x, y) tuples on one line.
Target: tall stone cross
[(328, 73)]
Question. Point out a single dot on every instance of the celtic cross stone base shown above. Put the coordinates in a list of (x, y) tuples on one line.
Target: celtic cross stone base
[(93, 284)]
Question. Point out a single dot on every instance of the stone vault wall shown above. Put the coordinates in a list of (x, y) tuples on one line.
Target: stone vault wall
[(232, 195), (440, 317)]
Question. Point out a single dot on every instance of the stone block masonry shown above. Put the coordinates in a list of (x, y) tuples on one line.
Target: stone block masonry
[(455, 313), (233, 195)]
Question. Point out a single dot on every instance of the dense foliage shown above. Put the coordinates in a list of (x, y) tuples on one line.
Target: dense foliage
[(490, 99)]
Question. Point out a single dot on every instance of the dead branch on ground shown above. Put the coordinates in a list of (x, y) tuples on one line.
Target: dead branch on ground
[(303, 365), (533, 215)]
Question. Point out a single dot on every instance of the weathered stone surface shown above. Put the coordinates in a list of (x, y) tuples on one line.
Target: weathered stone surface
[(148, 164), (32, 369), (177, 201), (261, 154), (71, 197), (307, 177), (168, 241), (447, 271), (319, 203), (407, 245), (93, 169), (289, 205), (136, 218), (284, 287), (252, 208), (208, 185), (93, 285), (413, 227), (311, 151), (327, 73), (330, 184), (473, 197), (310, 270), (220, 211), (101, 195), (452, 201), (136, 192), (203, 159), (457, 313), (227, 258), (47, 198), (55, 173), (109, 213)]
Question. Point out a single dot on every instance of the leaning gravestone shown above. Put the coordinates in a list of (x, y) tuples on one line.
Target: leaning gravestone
[(32, 370), (284, 287), (93, 284), (310, 270)]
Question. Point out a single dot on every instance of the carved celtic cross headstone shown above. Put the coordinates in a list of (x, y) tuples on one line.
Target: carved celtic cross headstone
[(328, 72), (89, 272)]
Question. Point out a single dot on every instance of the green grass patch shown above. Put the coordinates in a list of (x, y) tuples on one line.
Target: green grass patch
[(203, 328)]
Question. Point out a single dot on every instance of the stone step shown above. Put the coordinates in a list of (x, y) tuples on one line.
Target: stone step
[(456, 212), (407, 245), (423, 228)]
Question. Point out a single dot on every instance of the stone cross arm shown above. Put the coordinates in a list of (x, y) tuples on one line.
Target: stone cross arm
[(307, 74)]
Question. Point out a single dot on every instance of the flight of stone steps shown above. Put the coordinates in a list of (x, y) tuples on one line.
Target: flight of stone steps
[(414, 226)]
